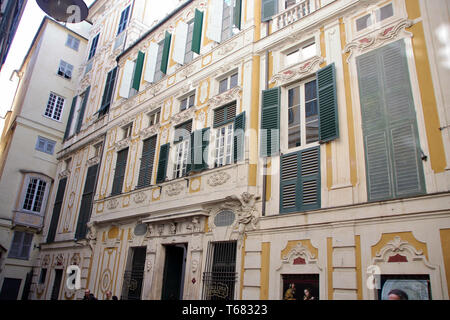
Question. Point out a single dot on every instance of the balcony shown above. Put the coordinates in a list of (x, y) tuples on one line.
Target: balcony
[(295, 13), (28, 219)]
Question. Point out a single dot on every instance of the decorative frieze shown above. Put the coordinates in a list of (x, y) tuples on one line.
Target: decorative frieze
[(218, 178), (174, 189), (306, 68), (226, 97)]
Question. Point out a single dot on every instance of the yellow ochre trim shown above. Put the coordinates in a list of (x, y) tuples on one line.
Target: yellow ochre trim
[(257, 13), (330, 268), (413, 9), (429, 104), (241, 282), (206, 40), (359, 284), (269, 180), (323, 47), (404, 236), (349, 105), (329, 156), (445, 243), (265, 271), (292, 244), (254, 121)]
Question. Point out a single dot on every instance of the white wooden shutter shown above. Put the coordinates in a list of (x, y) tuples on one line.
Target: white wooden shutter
[(126, 79), (215, 17), (150, 66), (181, 34)]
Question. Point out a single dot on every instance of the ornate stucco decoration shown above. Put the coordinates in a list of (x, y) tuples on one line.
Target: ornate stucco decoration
[(93, 161), (45, 261), (309, 66), (183, 116), (59, 260), (218, 178), (91, 235), (112, 204), (155, 89), (149, 131), (64, 174), (122, 144), (228, 96), (76, 259), (299, 251), (403, 249), (174, 189), (139, 197), (227, 48), (378, 39)]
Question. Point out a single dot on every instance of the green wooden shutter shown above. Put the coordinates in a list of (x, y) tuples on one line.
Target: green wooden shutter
[(138, 70), (270, 122), (57, 210), (147, 161), (269, 9), (198, 27), (69, 121), (198, 150), (327, 101), (166, 51), (392, 145), (83, 109), (237, 14), (119, 174), (108, 92), (162, 163), (300, 181), (86, 202), (239, 137)]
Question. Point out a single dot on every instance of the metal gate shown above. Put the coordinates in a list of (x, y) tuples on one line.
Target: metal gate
[(219, 279), (133, 279)]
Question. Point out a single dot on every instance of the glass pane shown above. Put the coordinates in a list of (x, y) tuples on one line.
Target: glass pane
[(191, 101), (293, 57), (234, 81), (309, 51), (294, 137), (223, 85), (183, 104), (310, 91), (363, 22), (294, 97), (385, 12)]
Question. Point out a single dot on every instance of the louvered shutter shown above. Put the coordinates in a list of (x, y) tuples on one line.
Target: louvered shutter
[(119, 173), (162, 163), (26, 245), (327, 101), (166, 51), (152, 57), (108, 92), (270, 122), (93, 46), (215, 17), (86, 202), (147, 160), (237, 14), (300, 181), (183, 131), (393, 160), (69, 121), (197, 35), (181, 35), (269, 9), (56, 210), (239, 137), (127, 76), (83, 109), (14, 251), (138, 71), (198, 151)]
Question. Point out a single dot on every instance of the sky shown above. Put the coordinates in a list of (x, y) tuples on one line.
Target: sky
[(29, 25)]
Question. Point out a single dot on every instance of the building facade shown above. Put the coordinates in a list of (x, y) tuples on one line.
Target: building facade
[(239, 149), (31, 139)]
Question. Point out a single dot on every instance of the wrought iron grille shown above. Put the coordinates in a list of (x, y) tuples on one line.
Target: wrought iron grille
[(219, 279), (132, 285)]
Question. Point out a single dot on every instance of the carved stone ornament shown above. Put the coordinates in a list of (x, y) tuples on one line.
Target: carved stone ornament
[(46, 261), (139, 197), (59, 260), (112, 204), (174, 189), (309, 66), (149, 131), (122, 144), (228, 96), (299, 251), (378, 39), (218, 179), (76, 259), (93, 161), (183, 116), (64, 174)]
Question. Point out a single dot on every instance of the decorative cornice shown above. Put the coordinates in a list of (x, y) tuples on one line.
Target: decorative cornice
[(377, 39), (149, 131), (228, 96), (309, 66), (183, 116), (122, 144)]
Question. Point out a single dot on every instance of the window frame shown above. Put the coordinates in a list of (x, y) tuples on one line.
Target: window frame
[(181, 158), (299, 48), (47, 142), (72, 42), (123, 22), (375, 21), (302, 108), (228, 77), (20, 255), (66, 67), (155, 116), (187, 98), (228, 139), (51, 109), (27, 180)]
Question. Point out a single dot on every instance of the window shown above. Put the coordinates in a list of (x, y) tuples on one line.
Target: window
[(86, 202), (416, 287), (35, 194), (119, 173), (181, 154), (56, 210), (123, 20), (392, 144), (43, 276), (153, 117), (224, 124), (375, 16), (45, 145), (187, 102), (224, 19), (127, 131), (55, 107), (72, 42), (303, 119), (289, 3), (219, 279), (147, 161), (300, 282), (108, 92), (158, 73), (77, 113), (98, 149), (65, 69), (301, 54), (228, 83), (93, 46), (21, 244), (189, 55)]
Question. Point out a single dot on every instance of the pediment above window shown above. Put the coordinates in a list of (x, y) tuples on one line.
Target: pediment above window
[(298, 71)]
